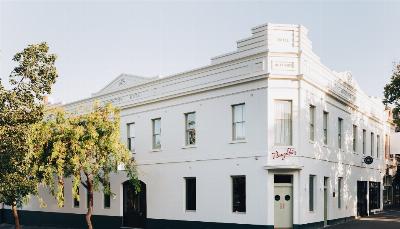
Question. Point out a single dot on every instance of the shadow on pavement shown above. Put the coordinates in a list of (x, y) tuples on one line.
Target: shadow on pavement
[(386, 220)]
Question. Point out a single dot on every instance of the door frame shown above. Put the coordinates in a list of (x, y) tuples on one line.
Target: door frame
[(143, 192), (326, 200), (284, 185)]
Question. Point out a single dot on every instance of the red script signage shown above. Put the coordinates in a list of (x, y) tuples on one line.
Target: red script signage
[(289, 152)]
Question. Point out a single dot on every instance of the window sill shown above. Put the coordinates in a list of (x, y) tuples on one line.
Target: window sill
[(155, 150), (239, 213), (189, 146), (238, 141), (190, 211)]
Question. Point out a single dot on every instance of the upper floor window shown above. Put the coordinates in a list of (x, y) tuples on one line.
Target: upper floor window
[(283, 122), (156, 133), (364, 141), (190, 126), (378, 145), (312, 122), (355, 130), (340, 127), (131, 137), (372, 144), (238, 122), (325, 127), (387, 146)]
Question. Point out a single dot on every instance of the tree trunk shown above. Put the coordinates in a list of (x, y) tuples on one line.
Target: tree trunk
[(89, 183), (16, 218)]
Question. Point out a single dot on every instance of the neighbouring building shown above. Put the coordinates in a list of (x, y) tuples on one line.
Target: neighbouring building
[(263, 137)]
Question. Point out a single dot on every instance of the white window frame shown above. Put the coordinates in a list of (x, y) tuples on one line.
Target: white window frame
[(131, 139), (188, 130), (236, 123), (154, 134), (286, 142)]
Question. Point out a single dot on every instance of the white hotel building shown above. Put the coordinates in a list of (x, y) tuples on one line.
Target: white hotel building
[(263, 137)]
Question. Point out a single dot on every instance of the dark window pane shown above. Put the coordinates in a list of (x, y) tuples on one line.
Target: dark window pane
[(76, 201), (107, 198), (374, 195), (239, 194), (283, 179), (190, 193)]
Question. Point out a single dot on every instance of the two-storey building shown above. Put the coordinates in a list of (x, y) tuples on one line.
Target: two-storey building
[(265, 136)]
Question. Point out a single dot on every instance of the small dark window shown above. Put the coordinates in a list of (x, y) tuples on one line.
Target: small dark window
[(287, 197), (76, 201), (190, 193), (238, 193), (277, 197), (107, 197), (374, 195), (283, 179)]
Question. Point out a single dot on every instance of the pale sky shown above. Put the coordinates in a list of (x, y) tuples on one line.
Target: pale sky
[(97, 40)]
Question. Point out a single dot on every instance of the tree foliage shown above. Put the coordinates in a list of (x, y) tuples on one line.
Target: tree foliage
[(21, 106), (86, 148), (392, 93)]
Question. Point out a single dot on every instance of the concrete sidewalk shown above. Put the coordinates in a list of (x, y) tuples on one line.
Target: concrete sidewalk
[(389, 219)]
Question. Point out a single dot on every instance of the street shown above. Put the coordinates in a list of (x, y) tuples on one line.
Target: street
[(385, 220)]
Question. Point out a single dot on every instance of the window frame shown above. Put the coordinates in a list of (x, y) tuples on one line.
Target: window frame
[(242, 207), (340, 187), (355, 136), (154, 134), (235, 123), (340, 133), (187, 129), (130, 138), (364, 139), (312, 122), (325, 126), (75, 202), (188, 203), (287, 142), (378, 144), (311, 192), (372, 143), (107, 196)]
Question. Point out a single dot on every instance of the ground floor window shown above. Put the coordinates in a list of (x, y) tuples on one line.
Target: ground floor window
[(190, 193), (311, 193), (374, 195), (238, 193)]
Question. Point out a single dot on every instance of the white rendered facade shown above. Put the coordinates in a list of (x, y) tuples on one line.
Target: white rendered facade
[(275, 64)]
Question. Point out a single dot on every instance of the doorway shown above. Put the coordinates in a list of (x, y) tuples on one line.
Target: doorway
[(283, 201), (134, 205), (362, 192)]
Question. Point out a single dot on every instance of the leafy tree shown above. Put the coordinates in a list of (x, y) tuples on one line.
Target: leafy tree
[(21, 106), (86, 148), (392, 93)]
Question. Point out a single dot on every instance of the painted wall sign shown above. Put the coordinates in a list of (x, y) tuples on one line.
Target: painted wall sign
[(283, 155)]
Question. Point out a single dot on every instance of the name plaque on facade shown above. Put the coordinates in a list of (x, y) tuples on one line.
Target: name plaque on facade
[(283, 38), (283, 65)]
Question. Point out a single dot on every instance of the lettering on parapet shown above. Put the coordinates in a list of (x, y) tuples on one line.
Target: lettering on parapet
[(283, 155)]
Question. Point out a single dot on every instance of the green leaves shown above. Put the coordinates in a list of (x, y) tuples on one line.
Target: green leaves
[(20, 107), (392, 93), (85, 144)]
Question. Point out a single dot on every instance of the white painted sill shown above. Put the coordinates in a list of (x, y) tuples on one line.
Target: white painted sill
[(189, 147), (238, 141), (155, 150)]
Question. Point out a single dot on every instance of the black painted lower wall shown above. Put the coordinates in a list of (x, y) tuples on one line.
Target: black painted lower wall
[(38, 218)]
